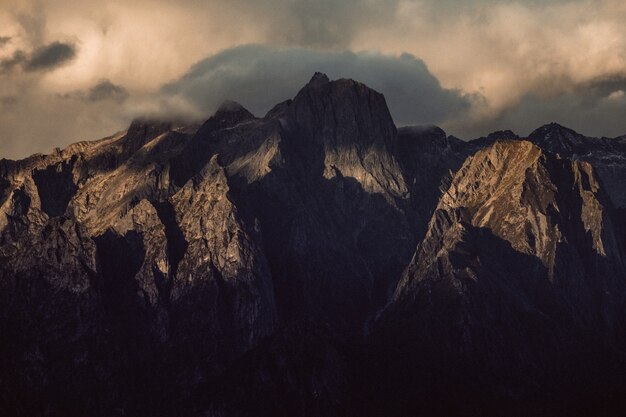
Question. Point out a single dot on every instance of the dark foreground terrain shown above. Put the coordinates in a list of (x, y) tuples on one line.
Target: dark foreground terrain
[(314, 262)]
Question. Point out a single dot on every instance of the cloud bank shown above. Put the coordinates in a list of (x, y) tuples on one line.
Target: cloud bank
[(44, 58), (80, 70), (260, 77)]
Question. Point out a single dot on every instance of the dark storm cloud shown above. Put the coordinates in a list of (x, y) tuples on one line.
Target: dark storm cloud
[(526, 59), (45, 58), (594, 110), (603, 87), (50, 56), (328, 22), (261, 76), (594, 107), (8, 64), (332, 23), (106, 90)]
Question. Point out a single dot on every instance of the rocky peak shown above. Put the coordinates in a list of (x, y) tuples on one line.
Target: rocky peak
[(519, 182), (502, 134), (491, 138), (608, 156), (143, 128), (140, 132), (343, 110), (179, 253), (423, 136), (556, 138), (350, 125), (550, 209), (228, 114), (318, 79), (230, 106), (519, 269), (422, 131)]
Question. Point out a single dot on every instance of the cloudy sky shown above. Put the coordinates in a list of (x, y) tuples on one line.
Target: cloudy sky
[(75, 70)]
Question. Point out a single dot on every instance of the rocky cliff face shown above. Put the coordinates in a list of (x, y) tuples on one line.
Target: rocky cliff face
[(608, 156), (113, 271), (521, 268), (263, 266)]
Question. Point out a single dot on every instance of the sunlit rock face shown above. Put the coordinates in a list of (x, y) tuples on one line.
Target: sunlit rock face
[(521, 268), (314, 261), (163, 253), (548, 208)]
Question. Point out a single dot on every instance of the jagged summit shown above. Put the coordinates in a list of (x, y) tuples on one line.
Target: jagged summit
[(318, 79), (144, 126), (493, 137), (419, 130), (507, 281), (551, 208), (553, 128), (231, 111), (557, 138), (156, 270), (501, 135), (424, 139), (230, 106), (228, 114), (320, 84), (351, 124), (358, 110)]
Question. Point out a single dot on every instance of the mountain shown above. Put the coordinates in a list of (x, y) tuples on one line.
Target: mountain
[(313, 261), (191, 245), (428, 158), (608, 156), (518, 282)]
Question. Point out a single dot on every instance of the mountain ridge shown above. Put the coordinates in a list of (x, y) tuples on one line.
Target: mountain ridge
[(344, 262)]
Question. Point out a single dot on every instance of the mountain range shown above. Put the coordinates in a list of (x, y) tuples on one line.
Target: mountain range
[(317, 261)]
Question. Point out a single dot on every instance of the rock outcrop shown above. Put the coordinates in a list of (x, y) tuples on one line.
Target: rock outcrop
[(518, 282), (608, 156), (268, 266)]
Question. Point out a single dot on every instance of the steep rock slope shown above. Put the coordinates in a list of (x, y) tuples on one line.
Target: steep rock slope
[(240, 267), (330, 209), (155, 258), (608, 156), (319, 177), (53, 309), (517, 292), (428, 158), (137, 280)]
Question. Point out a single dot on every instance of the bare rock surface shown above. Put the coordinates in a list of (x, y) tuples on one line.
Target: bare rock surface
[(608, 156), (314, 261), (520, 270)]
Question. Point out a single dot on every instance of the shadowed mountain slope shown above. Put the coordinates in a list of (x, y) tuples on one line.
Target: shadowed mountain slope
[(314, 261)]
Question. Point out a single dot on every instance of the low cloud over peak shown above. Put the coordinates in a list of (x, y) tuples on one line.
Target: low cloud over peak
[(261, 76), (471, 67)]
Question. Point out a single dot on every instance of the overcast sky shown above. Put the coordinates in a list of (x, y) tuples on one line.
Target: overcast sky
[(75, 70)]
